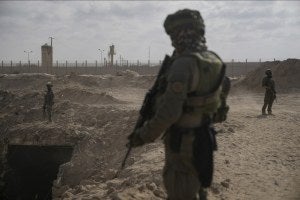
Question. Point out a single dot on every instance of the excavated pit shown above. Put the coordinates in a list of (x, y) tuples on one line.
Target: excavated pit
[(32, 170)]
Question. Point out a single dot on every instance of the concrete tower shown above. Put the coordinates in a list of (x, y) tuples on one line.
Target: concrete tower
[(47, 56)]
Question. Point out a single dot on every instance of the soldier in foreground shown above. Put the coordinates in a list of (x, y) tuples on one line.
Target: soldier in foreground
[(185, 100), (48, 102), (270, 94)]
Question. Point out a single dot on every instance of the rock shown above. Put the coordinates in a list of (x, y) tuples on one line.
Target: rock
[(58, 191), (159, 193), (142, 187), (231, 130), (224, 184), (130, 161), (215, 188), (151, 186), (66, 195), (221, 131), (110, 190), (110, 174), (114, 183), (115, 196), (127, 183)]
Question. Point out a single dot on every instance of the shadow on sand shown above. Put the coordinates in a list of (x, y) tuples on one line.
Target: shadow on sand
[(262, 116)]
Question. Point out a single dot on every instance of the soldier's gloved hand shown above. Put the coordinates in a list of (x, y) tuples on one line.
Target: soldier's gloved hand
[(221, 114), (135, 140)]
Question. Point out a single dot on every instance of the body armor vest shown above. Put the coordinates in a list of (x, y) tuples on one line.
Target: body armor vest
[(205, 88), (205, 94)]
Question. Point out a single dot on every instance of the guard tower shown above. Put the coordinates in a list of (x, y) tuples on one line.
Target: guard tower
[(47, 56), (111, 54)]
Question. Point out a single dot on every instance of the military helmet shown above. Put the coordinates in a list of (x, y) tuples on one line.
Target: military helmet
[(49, 84), (184, 18), (268, 72)]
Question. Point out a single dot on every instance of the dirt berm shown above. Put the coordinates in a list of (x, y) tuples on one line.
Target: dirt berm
[(286, 75)]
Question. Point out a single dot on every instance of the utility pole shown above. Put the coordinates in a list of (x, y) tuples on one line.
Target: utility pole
[(232, 67), (51, 38), (51, 64), (246, 64), (28, 52), (149, 57)]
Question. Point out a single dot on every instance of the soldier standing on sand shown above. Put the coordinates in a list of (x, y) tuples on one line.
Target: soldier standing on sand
[(192, 95), (48, 102), (270, 94)]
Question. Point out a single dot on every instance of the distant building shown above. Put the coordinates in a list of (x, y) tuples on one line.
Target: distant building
[(47, 56)]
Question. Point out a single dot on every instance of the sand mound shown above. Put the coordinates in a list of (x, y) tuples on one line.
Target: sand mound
[(286, 75), (86, 97), (31, 81), (127, 73), (86, 80)]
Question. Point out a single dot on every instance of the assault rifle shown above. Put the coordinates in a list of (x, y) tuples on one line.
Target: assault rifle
[(146, 111)]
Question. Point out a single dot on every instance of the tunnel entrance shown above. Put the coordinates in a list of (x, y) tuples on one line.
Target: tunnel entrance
[(32, 170)]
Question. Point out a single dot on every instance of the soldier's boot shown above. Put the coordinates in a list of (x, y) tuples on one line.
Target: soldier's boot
[(202, 194), (263, 112), (269, 112)]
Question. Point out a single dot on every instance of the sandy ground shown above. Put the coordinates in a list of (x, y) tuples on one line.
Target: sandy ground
[(258, 156), (260, 159)]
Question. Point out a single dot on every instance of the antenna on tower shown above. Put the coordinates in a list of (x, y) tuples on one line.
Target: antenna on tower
[(51, 38)]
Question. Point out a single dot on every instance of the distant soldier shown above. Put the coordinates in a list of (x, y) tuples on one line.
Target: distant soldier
[(270, 94), (190, 96), (48, 102)]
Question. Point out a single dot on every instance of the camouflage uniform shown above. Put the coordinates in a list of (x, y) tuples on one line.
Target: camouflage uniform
[(185, 107), (270, 94), (48, 102)]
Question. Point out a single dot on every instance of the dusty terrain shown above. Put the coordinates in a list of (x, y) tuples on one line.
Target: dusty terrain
[(258, 156)]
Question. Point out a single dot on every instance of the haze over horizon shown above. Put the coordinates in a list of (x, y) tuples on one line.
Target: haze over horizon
[(236, 30)]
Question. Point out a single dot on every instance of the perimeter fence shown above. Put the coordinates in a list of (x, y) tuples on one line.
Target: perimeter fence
[(85, 67)]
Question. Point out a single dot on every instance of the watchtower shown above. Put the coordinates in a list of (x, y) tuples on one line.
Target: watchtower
[(47, 56)]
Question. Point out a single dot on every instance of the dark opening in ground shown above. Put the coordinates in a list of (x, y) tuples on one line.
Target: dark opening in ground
[(32, 170)]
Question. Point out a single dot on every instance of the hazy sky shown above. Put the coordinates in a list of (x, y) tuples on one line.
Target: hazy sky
[(234, 29)]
